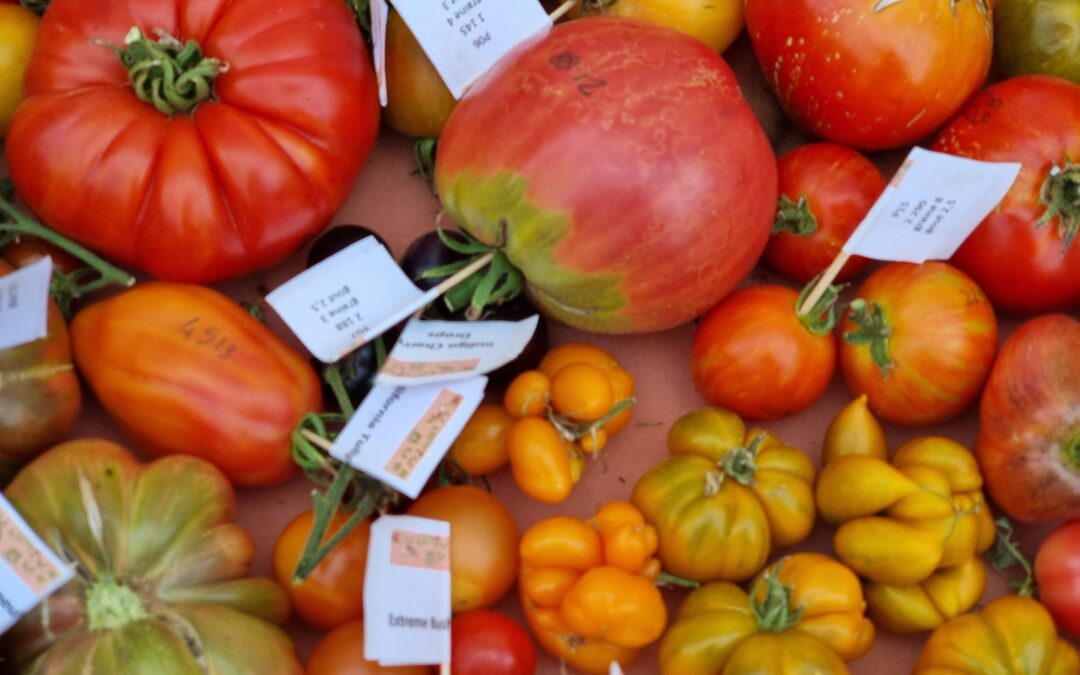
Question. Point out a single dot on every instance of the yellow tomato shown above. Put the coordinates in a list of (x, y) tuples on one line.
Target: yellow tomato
[(417, 101), (18, 28), (715, 23)]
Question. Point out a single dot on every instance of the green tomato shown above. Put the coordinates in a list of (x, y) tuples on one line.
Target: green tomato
[(1038, 36)]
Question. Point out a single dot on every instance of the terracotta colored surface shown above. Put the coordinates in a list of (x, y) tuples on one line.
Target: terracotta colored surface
[(399, 205)]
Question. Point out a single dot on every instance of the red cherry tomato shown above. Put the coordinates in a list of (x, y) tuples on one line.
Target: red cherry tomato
[(1057, 569), (483, 642), (825, 191)]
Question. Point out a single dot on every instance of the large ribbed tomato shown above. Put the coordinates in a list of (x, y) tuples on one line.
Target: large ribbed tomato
[(231, 184), (618, 167), (849, 70), (1023, 254)]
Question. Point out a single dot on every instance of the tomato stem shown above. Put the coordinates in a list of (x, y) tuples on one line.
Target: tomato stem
[(65, 287), (1006, 554), (172, 76), (111, 605), (821, 318), (794, 217), (774, 611), (873, 330), (1071, 450), (669, 579), (1061, 194), (740, 463)]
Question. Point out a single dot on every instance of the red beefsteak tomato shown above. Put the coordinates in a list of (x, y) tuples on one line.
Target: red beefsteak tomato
[(1057, 569), (849, 71), (617, 165), (1022, 255), (1028, 445), (919, 341), (755, 355), (825, 191), (225, 170)]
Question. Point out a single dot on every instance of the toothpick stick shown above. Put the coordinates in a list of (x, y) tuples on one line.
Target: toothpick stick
[(462, 274), (824, 282), (444, 669), (562, 9), (316, 439)]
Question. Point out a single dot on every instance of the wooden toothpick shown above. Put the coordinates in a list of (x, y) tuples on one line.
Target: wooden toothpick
[(827, 277)]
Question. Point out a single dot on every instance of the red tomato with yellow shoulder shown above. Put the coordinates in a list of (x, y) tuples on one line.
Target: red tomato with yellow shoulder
[(1023, 254), (483, 543), (184, 369), (201, 156), (483, 642), (845, 70), (333, 594), (825, 191), (919, 341), (754, 354)]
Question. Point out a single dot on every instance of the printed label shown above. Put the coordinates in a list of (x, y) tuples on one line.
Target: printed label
[(419, 439), (464, 38), (24, 304), (412, 369), (426, 551)]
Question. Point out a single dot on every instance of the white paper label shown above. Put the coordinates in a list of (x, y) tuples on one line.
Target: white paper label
[(24, 304), (931, 206), (380, 14), (615, 669), (407, 592), (399, 434), (463, 38), (347, 299), (29, 570), (438, 351)]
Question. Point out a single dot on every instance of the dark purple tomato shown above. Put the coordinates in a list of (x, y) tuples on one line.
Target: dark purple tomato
[(428, 252), (337, 238)]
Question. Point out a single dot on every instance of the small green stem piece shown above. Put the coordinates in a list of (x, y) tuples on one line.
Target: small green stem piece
[(1071, 450), (110, 605), (741, 463), (670, 580), (794, 217), (774, 611), (65, 288), (821, 319), (1061, 195), (172, 76), (1006, 554), (873, 330)]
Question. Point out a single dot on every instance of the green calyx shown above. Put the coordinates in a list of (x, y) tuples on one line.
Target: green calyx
[(495, 283), (741, 463), (794, 217), (821, 318), (1071, 449), (172, 76), (774, 612), (1061, 195), (110, 605), (873, 330), (1005, 555)]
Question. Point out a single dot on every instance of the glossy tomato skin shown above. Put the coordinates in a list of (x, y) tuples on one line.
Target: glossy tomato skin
[(1057, 570), (483, 642), (1028, 445), (341, 652), (839, 186), (236, 184), (1034, 120), (943, 342), (752, 354), (184, 369), (717, 24), (418, 102), (846, 72), (681, 184), (484, 545), (333, 594)]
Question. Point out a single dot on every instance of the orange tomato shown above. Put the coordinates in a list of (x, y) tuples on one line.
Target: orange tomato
[(582, 392), (417, 100), (341, 652), (541, 460), (481, 447), (333, 594), (527, 395), (483, 543)]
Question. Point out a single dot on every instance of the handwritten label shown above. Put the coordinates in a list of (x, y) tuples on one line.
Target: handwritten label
[(438, 351), (464, 38), (347, 299), (24, 304), (399, 434), (407, 592), (930, 207), (29, 570)]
